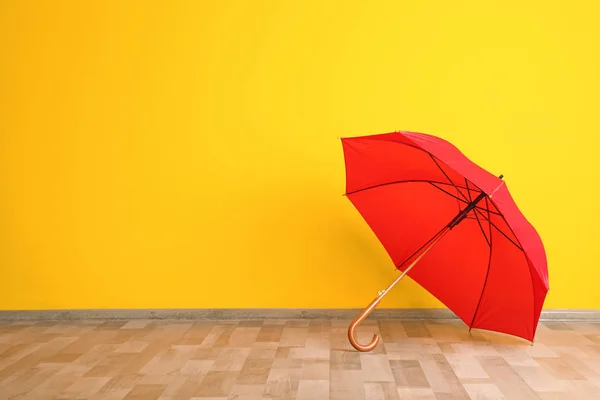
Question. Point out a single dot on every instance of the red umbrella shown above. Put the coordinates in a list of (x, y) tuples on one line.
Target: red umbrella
[(428, 203)]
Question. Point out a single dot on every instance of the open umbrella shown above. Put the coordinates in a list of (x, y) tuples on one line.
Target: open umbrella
[(427, 203)]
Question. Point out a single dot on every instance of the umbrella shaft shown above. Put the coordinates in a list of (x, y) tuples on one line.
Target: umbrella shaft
[(365, 313), (429, 247), (463, 214)]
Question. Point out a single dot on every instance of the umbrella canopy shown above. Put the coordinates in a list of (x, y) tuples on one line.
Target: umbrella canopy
[(419, 194)]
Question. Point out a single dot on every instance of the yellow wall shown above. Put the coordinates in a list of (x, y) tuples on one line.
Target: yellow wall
[(185, 153)]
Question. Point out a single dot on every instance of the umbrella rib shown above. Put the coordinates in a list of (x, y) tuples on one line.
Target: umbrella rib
[(468, 192), (487, 273), (476, 216), (520, 247), (487, 206), (397, 182), (501, 231), (489, 241), (488, 210), (434, 184), (431, 155), (533, 299), (447, 177)]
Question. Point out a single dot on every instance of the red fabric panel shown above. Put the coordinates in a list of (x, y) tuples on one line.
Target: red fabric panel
[(454, 270), (402, 216), (507, 304)]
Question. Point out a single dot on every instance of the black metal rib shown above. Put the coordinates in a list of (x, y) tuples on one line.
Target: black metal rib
[(501, 231), (487, 273), (468, 190), (414, 146), (397, 182), (520, 247), (487, 206), (489, 211), (447, 177), (476, 216), (489, 241), (455, 221), (448, 193)]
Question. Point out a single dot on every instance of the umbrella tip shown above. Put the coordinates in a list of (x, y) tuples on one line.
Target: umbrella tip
[(501, 176)]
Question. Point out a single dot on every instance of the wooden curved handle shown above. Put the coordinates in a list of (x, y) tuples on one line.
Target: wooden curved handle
[(360, 318)]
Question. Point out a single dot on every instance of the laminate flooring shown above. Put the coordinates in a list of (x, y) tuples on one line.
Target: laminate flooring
[(294, 359)]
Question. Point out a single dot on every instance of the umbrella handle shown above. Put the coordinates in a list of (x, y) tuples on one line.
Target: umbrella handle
[(360, 318), (365, 313)]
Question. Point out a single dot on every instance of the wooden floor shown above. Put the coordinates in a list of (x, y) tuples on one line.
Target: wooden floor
[(299, 360)]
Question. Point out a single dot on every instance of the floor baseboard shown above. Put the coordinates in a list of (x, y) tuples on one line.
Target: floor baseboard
[(266, 313)]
